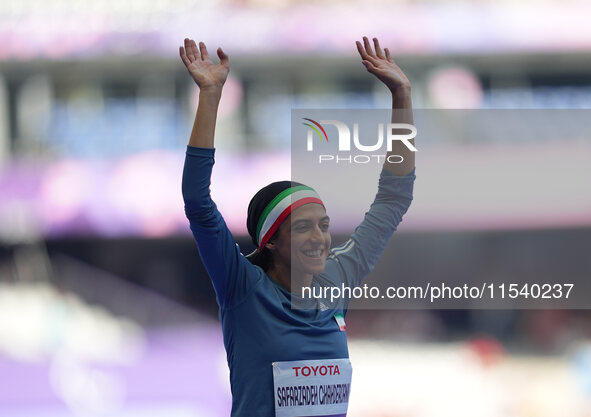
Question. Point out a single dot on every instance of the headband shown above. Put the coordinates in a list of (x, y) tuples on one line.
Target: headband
[(280, 207)]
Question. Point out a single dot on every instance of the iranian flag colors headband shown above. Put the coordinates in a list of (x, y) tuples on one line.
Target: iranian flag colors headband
[(281, 207)]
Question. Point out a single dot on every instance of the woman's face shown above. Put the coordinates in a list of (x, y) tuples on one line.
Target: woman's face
[(304, 240)]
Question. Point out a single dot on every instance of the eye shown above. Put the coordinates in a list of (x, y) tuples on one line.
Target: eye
[(302, 228), (324, 227)]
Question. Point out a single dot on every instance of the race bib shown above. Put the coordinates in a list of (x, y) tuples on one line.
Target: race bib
[(312, 388)]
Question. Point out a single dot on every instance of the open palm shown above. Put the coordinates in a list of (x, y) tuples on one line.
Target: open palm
[(205, 73), (381, 64)]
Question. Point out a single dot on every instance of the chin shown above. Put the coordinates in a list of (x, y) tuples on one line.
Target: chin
[(316, 267), (317, 270)]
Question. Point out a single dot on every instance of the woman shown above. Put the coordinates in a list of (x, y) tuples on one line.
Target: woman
[(285, 361)]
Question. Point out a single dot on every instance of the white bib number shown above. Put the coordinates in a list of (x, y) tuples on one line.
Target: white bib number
[(312, 388)]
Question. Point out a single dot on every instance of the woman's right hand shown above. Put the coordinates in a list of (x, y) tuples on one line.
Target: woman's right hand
[(205, 73)]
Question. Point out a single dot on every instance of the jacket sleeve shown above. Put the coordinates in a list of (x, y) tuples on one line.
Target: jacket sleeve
[(352, 261), (231, 273)]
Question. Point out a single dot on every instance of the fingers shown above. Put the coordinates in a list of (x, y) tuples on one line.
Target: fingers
[(368, 47), (369, 66), (376, 44), (360, 49), (189, 51), (224, 60), (363, 51), (195, 51), (184, 56), (388, 56), (203, 50), (364, 54)]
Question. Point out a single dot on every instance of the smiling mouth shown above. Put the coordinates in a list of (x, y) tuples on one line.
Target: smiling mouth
[(313, 253)]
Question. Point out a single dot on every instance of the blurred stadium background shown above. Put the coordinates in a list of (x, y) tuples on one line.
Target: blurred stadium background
[(105, 309)]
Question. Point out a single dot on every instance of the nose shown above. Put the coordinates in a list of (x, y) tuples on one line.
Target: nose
[(317, 235)]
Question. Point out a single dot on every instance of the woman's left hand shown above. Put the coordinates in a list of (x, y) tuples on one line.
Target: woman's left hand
[(381, 64)]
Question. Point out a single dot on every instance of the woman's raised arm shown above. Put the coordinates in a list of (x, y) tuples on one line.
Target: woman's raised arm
[(381, 64), (210, 78)]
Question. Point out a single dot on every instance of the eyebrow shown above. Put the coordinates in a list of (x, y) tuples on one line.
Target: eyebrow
[(310, 221)]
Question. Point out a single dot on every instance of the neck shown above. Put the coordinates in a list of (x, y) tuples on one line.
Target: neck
[(294, 283)]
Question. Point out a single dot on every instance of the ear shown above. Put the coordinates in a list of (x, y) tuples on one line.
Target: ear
[(271, 242), (271, 245)]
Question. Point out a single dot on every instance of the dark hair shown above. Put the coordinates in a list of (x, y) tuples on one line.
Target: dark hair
[(262, 258), (258, 203)]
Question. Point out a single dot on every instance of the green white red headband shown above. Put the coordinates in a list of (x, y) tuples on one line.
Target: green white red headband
[(280, 207)]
